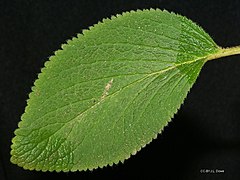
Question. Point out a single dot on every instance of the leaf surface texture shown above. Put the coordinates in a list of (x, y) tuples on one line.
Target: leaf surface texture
[(110, 91)]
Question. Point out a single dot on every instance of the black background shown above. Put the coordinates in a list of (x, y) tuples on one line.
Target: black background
[(205, 134)]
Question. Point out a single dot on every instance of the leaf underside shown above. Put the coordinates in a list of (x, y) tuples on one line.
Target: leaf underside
[(110, 91)]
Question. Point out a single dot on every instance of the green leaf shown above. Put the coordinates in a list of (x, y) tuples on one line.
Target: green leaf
[(110, 91)]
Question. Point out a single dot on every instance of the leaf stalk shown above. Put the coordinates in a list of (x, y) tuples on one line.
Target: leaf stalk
[(224, 52)]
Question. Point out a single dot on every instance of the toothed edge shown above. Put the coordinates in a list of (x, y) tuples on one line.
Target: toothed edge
[(48, 63)]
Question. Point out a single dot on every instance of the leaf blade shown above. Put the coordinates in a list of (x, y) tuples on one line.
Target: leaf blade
[(90, 93)]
